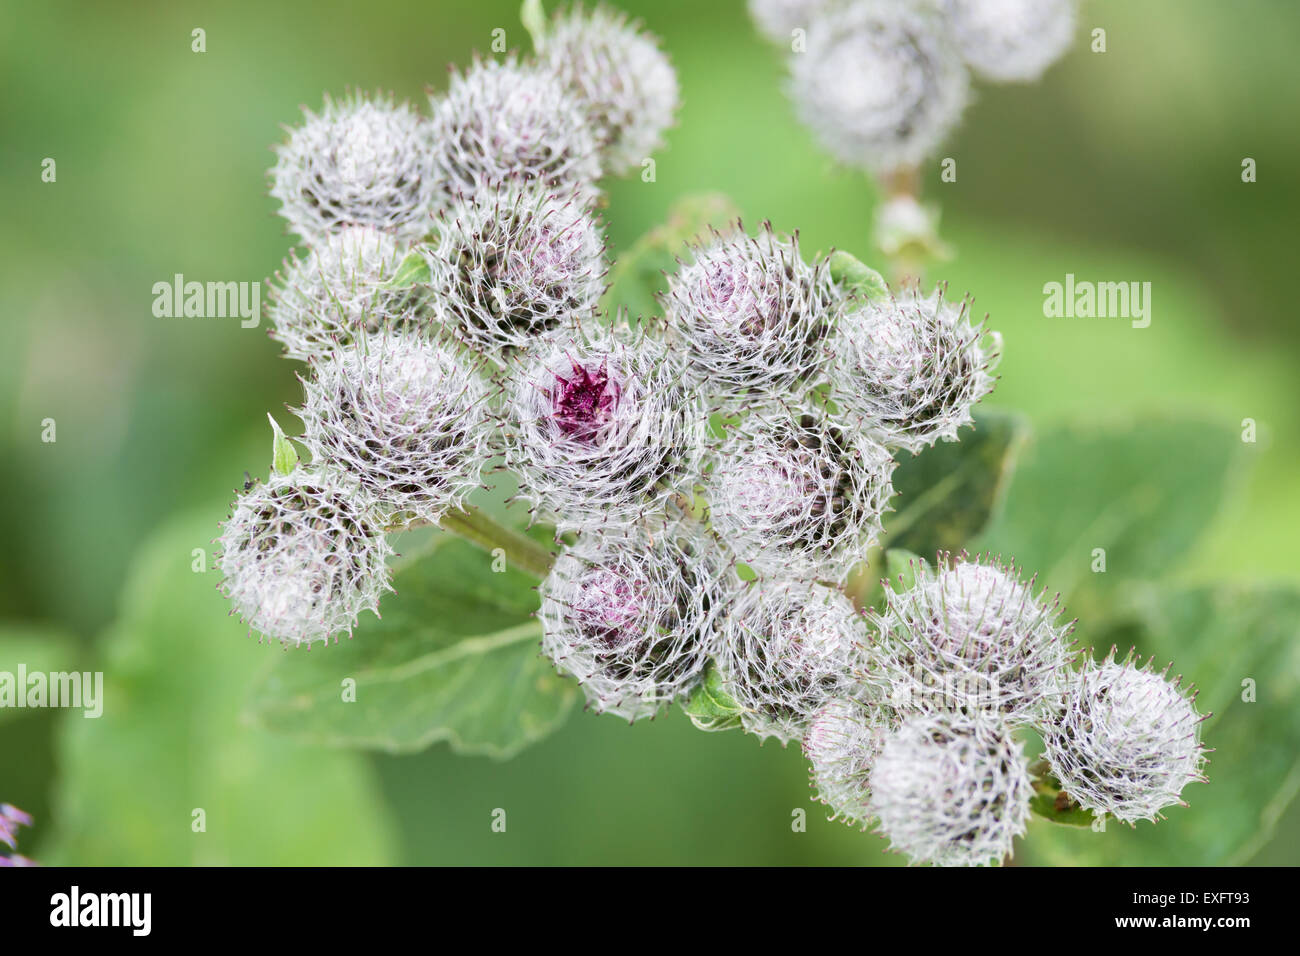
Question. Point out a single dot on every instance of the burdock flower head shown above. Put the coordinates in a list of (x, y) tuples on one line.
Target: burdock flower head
[(339, 289), (841, 743), (1011, 41), (910, 368), (971, 637), (359, 162), (406, 417), (632, 617), (302, 557), (750, 315), (1127, 740), (880, 83), (602, 430), (787, 648), (503, 120), (951, 791), (513, 263), (623, 81), (794, 492)]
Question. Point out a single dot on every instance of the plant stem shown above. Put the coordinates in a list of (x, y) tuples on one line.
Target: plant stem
[(520, 550)]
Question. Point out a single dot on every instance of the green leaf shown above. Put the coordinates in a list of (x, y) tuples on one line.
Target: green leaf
[(38, 649), (284, 457), (411, 272), (639, 273), (1051, 804), (711, 708), (533, 15), (454, 658), (1233, 643), (1142, 492), (857, 278), (947, 494), (902, 568), (170, 741)]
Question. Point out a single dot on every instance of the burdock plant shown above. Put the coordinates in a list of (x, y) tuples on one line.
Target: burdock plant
[(704, 489)]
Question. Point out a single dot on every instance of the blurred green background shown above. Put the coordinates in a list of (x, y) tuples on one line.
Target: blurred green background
[(1117, 166)]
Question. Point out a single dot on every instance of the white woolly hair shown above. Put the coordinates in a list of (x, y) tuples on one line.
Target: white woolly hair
[(632, 616), (841, 743), (778, 19), (623, 81), (971, 637), (794, 492), (302, 557), (361, 161), (514, 262), (788, 647), (880, 84), (910, 369), (602, 430), (1011, 41), (750, 315), (1127, 740), (337, 290), (407, 417), (503, 120), (951, 791)]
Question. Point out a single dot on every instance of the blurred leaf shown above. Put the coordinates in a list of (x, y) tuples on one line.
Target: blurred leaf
[(176, 670), (639, 272), (1219, 638), (1143, 492), (411, 271), (38, 649), (533, 16), (946, 494), (284, 457), (901, 568), (711, 708), (856, 277), (454, 658)]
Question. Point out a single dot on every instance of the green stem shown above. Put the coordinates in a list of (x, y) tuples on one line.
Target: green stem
[(520, 550)]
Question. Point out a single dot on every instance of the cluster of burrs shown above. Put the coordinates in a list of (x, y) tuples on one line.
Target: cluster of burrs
[(881, 83), (452, 259), (714, 475), (11, 818)]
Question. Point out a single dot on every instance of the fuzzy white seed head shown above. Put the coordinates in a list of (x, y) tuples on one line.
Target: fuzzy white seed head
[(513, 263), (406, 417), (880, 84), (910, 369), (778, 19), (1126, 742), (951, 791), (323, 299), (632, 617), (1011, 41), (841, 743), (750, 315), (503, 120), (302, 557), (971, 637), (796, 493), (359, 162), (623, 81), (787, 648), (602, 430)]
